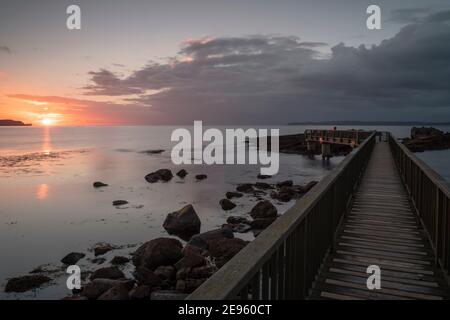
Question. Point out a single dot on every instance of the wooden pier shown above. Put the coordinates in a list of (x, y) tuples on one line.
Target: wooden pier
[(381, 229), (381, 206)]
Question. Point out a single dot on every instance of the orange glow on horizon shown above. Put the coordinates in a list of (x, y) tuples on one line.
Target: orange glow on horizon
[(47, 122)]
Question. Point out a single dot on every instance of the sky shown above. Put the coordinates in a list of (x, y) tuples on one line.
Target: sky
[(224, 62)]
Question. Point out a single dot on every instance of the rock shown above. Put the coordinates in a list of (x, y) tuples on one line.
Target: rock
[(262, 223), (430, 138), (201, 240), (167, 295), (183, 273), (98, 260), (263, 176), (190, 249), (240, 227), (224, 249), (119, 260), (201, 176), (263, 185), (287, 183), (231, 195), (263, 209), (118, 292), (192, 284), (72, 258), (236, 220), (180, 285), (97, 287), (285, 194), (202, 272), (140, 293), (158, 252), (165, 272), (107, 273), (227, 204), (190, 260), (246, 188), (119, 202), (101, 249), (161, 174), (150, 152), (183, 223), (99, 184), (26, 283), (182, 173), (146, 277)]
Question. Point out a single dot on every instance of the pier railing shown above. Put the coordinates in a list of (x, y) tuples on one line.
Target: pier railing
[(430, 196), (282, 262), (349, 137)]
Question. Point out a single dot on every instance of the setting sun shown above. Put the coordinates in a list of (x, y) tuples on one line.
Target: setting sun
[(47, 122)]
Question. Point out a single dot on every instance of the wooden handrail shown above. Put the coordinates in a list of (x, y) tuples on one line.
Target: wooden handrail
[(430, 195), (281, 262)]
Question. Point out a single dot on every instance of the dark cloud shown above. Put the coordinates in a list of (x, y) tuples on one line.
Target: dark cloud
[(275, 79), (5, 49), (409, 15)]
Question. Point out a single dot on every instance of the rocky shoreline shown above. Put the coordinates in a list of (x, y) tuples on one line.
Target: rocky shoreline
[(427, 138), (165, 268)]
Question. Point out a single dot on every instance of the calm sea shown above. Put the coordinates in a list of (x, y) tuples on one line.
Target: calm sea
[(49, 207)]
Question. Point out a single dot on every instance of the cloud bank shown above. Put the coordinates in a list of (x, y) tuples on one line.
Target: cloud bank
[(264, 79)]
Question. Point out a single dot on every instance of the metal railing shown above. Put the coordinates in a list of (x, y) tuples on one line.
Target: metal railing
[(283, 261), (350, 137), (430, 194)]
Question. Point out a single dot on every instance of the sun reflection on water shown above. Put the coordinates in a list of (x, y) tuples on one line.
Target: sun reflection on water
[(46, 141), (42, 191)]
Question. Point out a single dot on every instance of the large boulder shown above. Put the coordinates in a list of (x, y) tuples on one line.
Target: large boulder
[(107, 273), (201, 240), (285, 194), (263, 209), (245, 187), (72, 258), (231, 195), (97, 287), (146, 277), (182, 173), (263, 185), (158, 252), (25, 283), (159, 175), (223, 249), (183, 223), (119, 260), (287, 183), (140, 293), (190, 260), (165, 272), (99, 184), (118, 292), (102, 248), (227, 204)]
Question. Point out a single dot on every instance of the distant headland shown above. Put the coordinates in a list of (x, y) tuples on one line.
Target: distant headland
[(370, 123), (11, 123)]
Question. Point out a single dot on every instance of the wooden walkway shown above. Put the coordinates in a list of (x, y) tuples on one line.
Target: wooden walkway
[(381, 229)]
